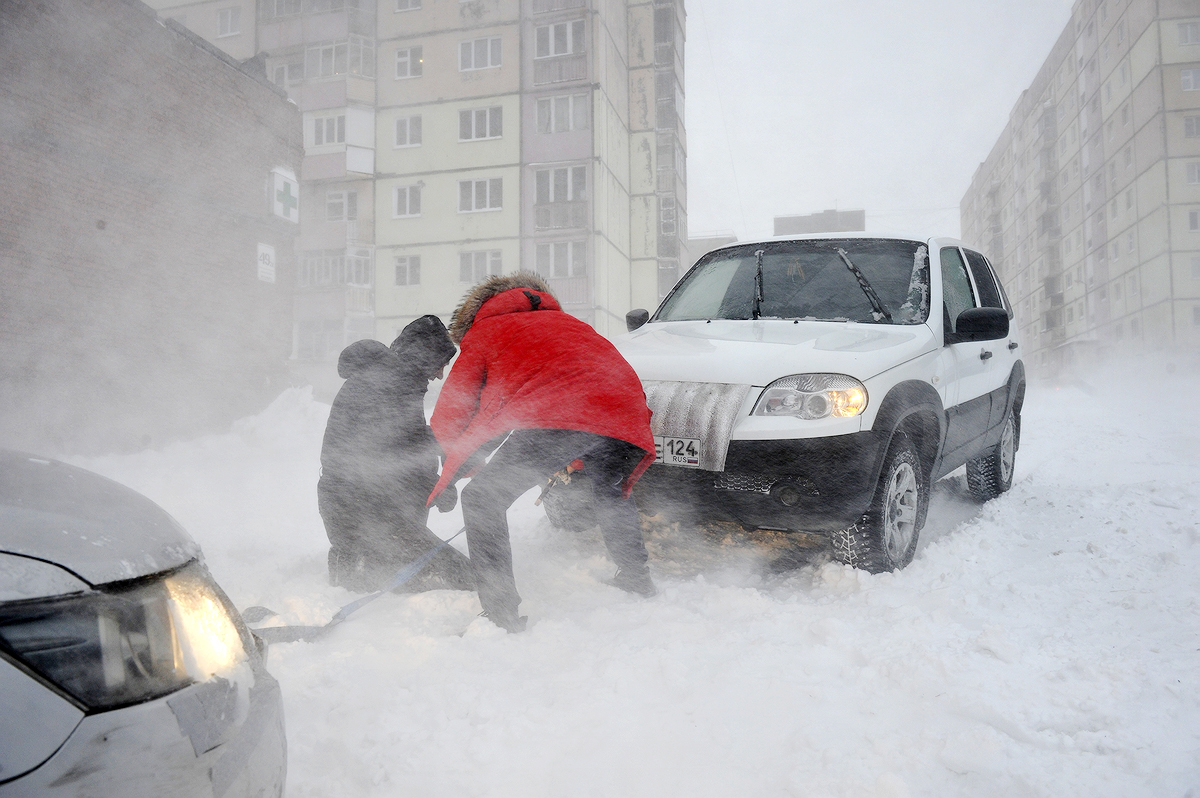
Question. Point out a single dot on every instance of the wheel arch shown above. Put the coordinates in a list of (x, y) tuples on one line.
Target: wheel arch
[(915, 409)]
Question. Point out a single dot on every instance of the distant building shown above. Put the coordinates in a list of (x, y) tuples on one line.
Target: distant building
[(823, 222), (446, 141), (703, 244), (1089, 203), (145, 281)]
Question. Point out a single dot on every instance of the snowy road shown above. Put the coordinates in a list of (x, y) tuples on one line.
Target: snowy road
[(1046, 644)]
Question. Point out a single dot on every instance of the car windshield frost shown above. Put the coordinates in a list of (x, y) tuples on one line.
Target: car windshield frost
[(877, 281)]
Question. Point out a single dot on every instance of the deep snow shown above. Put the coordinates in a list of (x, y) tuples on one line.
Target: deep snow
[(1044, 644)]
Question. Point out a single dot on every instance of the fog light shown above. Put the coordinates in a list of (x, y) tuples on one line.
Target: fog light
[(786, 494)]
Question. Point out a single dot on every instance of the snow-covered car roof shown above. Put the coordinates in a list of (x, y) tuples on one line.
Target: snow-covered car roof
[(95, 528)]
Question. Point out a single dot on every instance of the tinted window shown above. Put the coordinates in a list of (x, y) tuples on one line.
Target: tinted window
[(956, 286), (985, 282), (808, 280)]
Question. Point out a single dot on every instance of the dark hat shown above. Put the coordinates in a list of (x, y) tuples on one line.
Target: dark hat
[(426, 342)]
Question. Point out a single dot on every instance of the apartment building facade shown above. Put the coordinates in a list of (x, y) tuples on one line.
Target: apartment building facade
[(1089, 203), (447, 140)]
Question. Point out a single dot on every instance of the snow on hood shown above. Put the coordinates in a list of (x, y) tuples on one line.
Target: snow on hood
[(759, 352), (93, 527)]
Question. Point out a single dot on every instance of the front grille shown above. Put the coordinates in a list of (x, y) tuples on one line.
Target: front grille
[(747, 483)]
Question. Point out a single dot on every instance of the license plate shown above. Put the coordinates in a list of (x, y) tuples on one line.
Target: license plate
[(677, 451)]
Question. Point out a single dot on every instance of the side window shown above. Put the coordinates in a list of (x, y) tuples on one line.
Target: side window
[(956, 286), (985, 283)]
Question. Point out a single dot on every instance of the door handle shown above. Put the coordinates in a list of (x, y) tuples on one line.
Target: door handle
[(985, 354), (1012, 345)]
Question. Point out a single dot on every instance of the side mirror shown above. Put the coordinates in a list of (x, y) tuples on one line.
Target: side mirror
[(979, 324), (636, 318)]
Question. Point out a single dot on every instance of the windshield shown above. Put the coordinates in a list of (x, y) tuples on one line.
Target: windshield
[(808, 280)]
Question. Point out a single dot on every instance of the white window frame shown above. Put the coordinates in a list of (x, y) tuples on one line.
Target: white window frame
[(476, 266), (1193, 173), (472, 120), (411, 198), (1191, 127), (408, 5), (1189, 33), (559, 38), (347, 201), (327, 130), (229, 21), (1194, 221), (476, 54), (407, 132), (550, 183), (1189, 79), (480, 196), (561, 259), (410, 267), (410, 62), (573, 110)]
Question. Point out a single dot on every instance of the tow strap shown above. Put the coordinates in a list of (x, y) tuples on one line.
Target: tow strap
[(293, 634)]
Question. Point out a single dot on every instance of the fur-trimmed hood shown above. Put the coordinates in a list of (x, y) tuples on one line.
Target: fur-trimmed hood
[(464, 314)]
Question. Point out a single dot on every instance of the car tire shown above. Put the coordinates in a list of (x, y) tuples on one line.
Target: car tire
[(571, 507), (886, 537), (991, 474)]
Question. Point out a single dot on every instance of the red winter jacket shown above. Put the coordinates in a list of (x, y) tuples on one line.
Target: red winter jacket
[(525, 364)]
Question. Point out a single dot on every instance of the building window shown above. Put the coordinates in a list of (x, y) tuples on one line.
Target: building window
[(408, 5), (475, 267), (1129, 242), (563, 38), (480, 123), (408, 131), (1121, 32), (1125, 116), (229, 22), (408, 268), (341, 206), (409, 63), (1128, 157), (479, 54), (562, 259), (480, 195), (334, 267), (1196, 316), (1131, 284), (1191, 127), (563, 113), (565, 184), (353, 56), (285, 7), (328, 130), (1190, 79), (1193, 174), (1194, 221), (407, 201), (288, 73), (1189, 33), (1129, 199)]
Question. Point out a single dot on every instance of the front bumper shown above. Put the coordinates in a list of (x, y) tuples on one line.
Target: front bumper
[(808, 484), (192, 742)]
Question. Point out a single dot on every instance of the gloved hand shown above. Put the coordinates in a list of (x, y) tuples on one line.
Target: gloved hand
[(447, 499)]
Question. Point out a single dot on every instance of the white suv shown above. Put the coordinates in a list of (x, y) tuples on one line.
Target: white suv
[(823, 383)]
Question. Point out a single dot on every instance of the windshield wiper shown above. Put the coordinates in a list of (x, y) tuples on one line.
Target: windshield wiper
[(756, 308), (862, 283)]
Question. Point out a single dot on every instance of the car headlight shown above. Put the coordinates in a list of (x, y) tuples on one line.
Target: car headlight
[(813, 396), (115, 647)]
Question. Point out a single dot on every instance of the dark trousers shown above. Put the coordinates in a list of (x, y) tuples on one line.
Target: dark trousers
[(528, 458), (374, 532)]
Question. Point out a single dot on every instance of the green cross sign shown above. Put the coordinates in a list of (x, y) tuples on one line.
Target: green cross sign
[(286, 199)]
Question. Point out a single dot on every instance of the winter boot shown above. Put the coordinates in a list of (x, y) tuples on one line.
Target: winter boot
[(635, 580), (508, 620)]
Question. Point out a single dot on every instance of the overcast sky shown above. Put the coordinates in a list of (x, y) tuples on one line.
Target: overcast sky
[(796, 106)]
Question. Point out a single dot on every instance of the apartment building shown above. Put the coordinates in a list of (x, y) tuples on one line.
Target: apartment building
[(447, 140), (1089, 203)]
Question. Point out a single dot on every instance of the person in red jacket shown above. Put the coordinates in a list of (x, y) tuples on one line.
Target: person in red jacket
[(547, 390)]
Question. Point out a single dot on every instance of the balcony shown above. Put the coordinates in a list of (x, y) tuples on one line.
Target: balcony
[(546, 6), (560, 215), (560, 69)]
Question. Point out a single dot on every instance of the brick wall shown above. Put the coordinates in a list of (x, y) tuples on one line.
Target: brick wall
[(135, 161)]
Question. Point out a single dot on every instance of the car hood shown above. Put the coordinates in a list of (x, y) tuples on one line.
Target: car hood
[(95, 528), (759, 352)]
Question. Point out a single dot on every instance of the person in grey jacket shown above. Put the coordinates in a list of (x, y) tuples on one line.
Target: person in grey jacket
[(379, 461)]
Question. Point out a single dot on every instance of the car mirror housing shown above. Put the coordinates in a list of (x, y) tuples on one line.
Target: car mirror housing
[(979, 324), (636, 318)]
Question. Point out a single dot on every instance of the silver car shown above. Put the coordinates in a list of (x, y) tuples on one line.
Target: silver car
[(124, 669)]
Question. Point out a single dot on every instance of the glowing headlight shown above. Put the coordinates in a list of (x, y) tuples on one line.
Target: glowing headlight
[(115, 647), (813, 396)]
